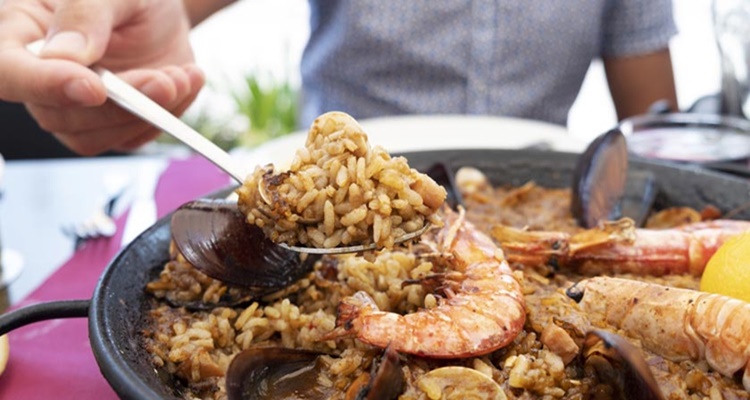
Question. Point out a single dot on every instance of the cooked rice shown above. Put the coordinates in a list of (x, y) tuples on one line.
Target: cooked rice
[(542, 362), (339, 191)]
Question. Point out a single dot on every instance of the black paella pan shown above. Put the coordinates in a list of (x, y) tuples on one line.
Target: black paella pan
[(117, 310)]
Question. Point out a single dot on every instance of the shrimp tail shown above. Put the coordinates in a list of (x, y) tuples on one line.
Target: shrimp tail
[(618, 247), (349, 315)]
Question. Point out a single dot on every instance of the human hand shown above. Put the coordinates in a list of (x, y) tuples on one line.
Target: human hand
[(144, 41)]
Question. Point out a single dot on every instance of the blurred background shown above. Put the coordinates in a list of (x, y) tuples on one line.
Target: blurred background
[(251, 52), (280, 38)]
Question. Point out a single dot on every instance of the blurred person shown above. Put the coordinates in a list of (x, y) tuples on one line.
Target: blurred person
[(368, 58)]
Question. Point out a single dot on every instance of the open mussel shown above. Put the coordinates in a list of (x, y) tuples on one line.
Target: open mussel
[(275, 373), (385, 382), (213, 236), (280, 373), (599, 178), (604, 189), (621, 364)]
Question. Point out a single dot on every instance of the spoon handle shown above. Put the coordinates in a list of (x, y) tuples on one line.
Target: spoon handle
[(129, 98)]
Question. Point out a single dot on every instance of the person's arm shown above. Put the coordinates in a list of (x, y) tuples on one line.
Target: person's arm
[(638, 82), (199, 10)]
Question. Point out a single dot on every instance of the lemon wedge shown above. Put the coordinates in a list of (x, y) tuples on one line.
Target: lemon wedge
[(728, 270)]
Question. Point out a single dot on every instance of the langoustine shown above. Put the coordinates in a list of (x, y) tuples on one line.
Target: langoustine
[(678, 324), (483, 309), (619, 247)]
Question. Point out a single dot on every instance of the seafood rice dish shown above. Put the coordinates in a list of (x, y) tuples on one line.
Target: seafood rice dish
[(504, 297)]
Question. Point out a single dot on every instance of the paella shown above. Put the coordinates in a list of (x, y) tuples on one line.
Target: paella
[(504, 297)]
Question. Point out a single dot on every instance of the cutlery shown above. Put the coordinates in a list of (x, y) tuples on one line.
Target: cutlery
[(142, 212), (100, 223)]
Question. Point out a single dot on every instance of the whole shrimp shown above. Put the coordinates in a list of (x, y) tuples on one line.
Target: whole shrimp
[(677, 324), (618, 247), (483, 311)]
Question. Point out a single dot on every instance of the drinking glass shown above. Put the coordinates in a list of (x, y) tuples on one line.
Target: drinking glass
[(732, 30), (10, 261)]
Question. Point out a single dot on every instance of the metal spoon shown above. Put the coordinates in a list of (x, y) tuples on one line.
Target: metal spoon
[(129, 98)]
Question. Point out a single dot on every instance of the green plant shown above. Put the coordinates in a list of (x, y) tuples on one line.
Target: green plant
[(270, 108), (265, 109)]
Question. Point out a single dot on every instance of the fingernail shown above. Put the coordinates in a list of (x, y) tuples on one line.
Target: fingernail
[(80, 91), (194, 70), (70, 43), (151, 89)]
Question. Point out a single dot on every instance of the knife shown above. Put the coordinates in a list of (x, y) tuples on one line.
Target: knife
[(142, 212)]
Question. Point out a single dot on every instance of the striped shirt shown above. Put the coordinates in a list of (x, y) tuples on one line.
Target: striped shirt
[(520, 58)]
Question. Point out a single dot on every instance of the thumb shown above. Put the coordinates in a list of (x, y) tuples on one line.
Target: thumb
[(80, 30)]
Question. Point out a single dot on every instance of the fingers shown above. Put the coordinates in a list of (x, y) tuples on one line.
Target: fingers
[(26, 78), (90, 131), (80, 29), (90, 143), (153, 133)]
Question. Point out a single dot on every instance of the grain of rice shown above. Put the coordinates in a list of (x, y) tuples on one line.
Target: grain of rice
[(361, 176), (271, 312), (377, 228), (333, 240), (342, 209), (328, 218), (354, 216), (483, 367), (306, 200), (430, 301), (340, 195)]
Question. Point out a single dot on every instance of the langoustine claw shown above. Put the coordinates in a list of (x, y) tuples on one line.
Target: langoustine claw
[(676, 323), (619, 247), (484, 312)]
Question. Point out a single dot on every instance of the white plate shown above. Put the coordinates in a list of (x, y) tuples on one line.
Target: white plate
[(422, 133)]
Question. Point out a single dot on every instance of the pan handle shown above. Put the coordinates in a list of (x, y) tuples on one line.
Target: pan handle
[(43, 311)]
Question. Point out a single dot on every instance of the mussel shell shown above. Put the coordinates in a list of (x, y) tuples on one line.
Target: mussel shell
[(634, 379), (639, 197), (599, 179), (214, 237), (282, 373), (274, 373), (386, 379)]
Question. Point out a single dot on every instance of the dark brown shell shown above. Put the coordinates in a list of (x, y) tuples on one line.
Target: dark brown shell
[(621, 364), (599, 179), (275, 373), (214, 237)]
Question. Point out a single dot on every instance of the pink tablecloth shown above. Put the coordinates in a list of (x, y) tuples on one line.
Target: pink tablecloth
[(53, 359)]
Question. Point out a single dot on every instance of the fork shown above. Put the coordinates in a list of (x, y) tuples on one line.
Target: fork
[(100, 223)]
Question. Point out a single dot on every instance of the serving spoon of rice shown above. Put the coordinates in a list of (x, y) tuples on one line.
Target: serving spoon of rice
[(129, 98)]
